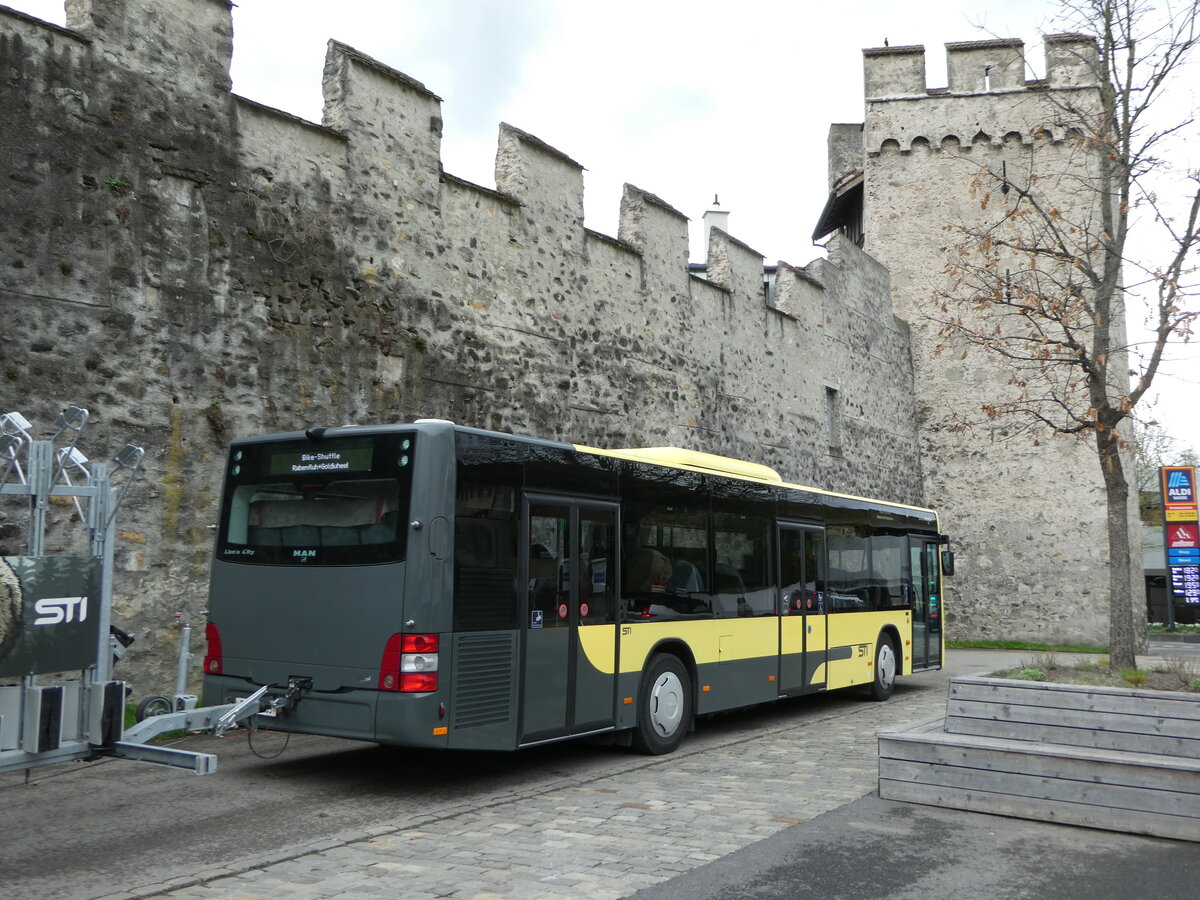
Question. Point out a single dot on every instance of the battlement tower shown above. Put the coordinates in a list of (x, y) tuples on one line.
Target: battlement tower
[(1029, 520)]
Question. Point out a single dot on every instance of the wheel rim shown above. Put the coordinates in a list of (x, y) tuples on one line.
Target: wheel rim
[(885, 666), (158, 708), (666, 704)]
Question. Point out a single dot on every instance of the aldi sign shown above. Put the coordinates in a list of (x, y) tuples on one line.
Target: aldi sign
[(1179, 485)]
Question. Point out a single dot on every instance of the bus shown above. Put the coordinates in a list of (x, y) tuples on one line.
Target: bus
[(433, 585)]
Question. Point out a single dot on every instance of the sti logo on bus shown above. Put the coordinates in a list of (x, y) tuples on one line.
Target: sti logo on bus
[(60, 610), (1180, 484)]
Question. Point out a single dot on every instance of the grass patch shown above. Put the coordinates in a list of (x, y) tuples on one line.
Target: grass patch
[(1024, 645)]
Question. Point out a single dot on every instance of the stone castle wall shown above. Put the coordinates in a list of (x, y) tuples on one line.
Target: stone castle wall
[(191, 266)]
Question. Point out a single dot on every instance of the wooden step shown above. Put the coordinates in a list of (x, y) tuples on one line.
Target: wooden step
[(1113, 758), (1160, 722)]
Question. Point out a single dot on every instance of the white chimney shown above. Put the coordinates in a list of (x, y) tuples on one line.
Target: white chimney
[(714, 217)]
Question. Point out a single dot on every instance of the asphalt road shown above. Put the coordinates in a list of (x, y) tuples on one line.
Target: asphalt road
[(873, 848)]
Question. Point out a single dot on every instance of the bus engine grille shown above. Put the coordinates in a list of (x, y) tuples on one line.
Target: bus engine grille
[(483, 686)]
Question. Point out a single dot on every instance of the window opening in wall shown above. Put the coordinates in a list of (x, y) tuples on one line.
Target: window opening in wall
[(833, 419), (987, 78)]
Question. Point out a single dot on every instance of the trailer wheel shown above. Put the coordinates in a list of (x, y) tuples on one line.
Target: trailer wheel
[(664, 706), (153, 706)]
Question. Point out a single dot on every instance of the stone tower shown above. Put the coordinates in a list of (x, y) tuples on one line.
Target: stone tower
[(1028, 520)]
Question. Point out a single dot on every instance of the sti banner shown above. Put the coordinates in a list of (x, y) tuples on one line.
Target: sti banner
[(49, 618), (1181, 532)]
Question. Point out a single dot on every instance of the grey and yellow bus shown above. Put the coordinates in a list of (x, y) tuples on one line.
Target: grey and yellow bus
[(431, 585)]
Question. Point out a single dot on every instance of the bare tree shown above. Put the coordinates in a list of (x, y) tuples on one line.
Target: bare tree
[(1043, 285)]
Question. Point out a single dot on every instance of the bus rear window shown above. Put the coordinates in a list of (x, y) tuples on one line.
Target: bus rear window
[(339, 502)]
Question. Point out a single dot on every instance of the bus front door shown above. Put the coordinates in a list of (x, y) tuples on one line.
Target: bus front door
[(927, 603), (803, 635), (570, 590)]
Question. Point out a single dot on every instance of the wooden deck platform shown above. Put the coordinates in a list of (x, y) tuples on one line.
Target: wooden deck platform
[(1112, 758)]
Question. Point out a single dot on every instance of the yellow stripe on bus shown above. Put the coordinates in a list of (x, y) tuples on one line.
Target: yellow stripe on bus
[(730, 640)]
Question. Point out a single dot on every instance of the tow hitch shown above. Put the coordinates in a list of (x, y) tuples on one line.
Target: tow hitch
[(217, 719)]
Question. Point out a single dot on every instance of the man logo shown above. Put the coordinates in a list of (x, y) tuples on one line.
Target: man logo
[(60, 610)]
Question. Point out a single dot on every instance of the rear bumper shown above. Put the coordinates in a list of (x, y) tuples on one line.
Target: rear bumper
[(409, 720)]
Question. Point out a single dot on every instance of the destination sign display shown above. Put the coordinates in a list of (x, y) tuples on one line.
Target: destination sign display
[(323, 461)]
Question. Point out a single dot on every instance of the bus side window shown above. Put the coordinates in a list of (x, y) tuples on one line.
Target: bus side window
[(849, 575), (743, 568), (666, 557), (485, 561), (597, 568)]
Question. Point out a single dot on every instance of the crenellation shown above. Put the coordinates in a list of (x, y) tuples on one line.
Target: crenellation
[(660, 233), (1071, 60), (393, 122), (189, 43), (736, 266), (799, 294), (976, 67), (546, 181), (890, 72)]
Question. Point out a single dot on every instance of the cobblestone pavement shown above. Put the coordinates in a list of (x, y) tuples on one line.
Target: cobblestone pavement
[(606, 837)]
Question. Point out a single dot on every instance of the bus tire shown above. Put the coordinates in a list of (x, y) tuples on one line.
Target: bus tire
[(885, 669), (664, 706)]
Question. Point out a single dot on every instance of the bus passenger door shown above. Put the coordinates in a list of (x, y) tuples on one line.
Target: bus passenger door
[(803, 635), (926, 603), (570, 590)]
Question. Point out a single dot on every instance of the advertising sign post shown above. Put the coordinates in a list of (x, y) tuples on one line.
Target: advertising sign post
[(1181, 538)]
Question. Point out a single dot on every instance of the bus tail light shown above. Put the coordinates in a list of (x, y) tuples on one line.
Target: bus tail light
[(213, 659), (410, 664)]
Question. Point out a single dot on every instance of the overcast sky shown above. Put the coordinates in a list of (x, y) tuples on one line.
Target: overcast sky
[(684, 98)]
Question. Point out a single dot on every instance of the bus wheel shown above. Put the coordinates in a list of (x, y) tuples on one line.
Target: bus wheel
[(665, 706), (885, 669)]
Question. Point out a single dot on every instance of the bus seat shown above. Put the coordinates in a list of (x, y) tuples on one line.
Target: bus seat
[(645, 570), (340, 535), (265, 537), (686, 577), (300, 536)]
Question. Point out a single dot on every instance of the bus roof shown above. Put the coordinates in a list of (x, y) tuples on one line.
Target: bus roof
[(669, 457), (712, 464)]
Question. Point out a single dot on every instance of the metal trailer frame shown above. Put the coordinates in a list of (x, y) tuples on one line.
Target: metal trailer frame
[(46, 723)]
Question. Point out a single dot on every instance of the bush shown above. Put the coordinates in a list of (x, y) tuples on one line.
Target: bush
[(1135, 677)]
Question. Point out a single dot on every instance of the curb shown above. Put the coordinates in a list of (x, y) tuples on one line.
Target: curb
[(1173, 638)]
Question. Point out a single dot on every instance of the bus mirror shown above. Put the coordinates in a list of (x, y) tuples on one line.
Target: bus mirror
[(947, 562)]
